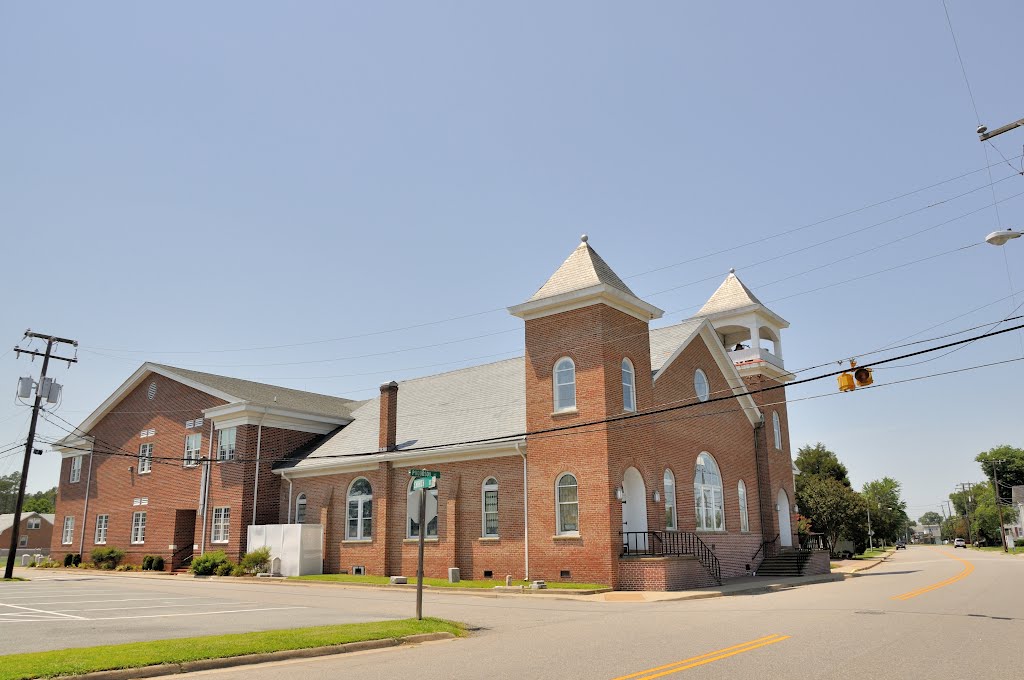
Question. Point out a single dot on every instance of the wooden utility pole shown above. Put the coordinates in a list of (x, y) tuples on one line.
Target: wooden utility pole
[(50, 341), (999, 505)]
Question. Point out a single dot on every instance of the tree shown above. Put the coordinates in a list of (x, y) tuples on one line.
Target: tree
[(979, 504), (930, 517), (829, 504), (889, 518), (9, 491), (44, 502), (1011, 469), (818, 460)]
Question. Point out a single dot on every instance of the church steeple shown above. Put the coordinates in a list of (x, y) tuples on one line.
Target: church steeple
[(584, 279)]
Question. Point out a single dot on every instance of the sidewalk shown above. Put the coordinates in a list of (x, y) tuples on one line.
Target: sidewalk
[(851, 567), (744, 585)]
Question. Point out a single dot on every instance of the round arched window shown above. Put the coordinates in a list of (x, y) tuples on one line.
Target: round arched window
[(701, 385)]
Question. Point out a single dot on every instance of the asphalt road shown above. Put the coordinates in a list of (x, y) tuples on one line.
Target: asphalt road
[(926, 613)]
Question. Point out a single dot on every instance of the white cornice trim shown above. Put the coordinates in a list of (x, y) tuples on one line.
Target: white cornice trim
[(313, 467), (74, 445), (592, 295), (761, 367), (728, 369), (244, 413), (748, 309)]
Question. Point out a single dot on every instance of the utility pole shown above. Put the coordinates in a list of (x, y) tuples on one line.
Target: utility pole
[(44, 388), (999, 505), (984, 135), (967, 507)]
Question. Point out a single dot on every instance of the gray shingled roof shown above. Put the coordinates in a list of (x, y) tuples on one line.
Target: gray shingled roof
[(261, 394), (665, 341), (479, 402), (7, 519), (582, 269), (732, 294)]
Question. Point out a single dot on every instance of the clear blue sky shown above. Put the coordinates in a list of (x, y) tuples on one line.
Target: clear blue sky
[(221, 176)]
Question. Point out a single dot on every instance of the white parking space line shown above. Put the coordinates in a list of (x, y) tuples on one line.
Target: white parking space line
[(41, 611), (58, 594), (127, 599), (156, 606), (223, 611)]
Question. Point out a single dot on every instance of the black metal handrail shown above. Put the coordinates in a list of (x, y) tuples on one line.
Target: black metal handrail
[(669, 543), (182, 557), (767, 549), (814, 541)]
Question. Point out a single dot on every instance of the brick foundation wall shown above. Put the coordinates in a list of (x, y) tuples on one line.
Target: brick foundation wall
[(41, 538), (818, 563), (663, 573)]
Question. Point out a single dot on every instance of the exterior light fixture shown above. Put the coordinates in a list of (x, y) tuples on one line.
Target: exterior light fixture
[(998, 238), (657, 496), (619, 493)]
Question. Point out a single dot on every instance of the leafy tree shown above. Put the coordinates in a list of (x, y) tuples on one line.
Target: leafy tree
[(889, 518), (829, 504), (818, 460), (1011, 469), (9, 491), (41, 501), (979, 504), (930, 517)]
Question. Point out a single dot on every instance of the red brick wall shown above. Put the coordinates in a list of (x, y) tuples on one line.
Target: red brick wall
[(780, 463), (663, 573), (37, 538)]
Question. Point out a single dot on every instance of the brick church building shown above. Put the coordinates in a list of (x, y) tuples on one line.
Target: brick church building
[(609, 453)]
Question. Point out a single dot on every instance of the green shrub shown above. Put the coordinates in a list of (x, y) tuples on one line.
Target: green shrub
[(1018, 543), (48, 564), (224, 569), (107, 558), (256, 561), (158, 563), (32, 565), (207, 565), (126, 567), (69, 560), (238, 570), (76, 560), (147, 562)]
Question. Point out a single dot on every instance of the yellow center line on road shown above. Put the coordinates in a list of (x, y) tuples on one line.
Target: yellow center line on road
[(968, 568), (695, 661)]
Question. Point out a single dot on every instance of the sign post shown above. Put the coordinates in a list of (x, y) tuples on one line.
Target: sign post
[(423, 481)]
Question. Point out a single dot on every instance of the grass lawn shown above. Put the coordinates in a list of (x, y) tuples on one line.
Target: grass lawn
[(136, 654), (438, 582), (870, 554), (996, 548)]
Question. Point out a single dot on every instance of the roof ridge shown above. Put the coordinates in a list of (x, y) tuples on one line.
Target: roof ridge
[(180, 370), (583, 268)]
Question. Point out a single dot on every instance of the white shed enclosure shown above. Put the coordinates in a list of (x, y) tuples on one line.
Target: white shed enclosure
[(295, 549)]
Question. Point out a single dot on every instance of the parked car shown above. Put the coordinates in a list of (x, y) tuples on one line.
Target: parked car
[(901, 545), (960, 543)]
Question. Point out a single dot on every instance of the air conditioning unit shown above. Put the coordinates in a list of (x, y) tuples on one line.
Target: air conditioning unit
[(359, 571)]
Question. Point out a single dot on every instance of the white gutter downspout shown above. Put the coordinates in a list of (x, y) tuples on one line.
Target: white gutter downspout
[(526, 516), (289, 497), (85, 510), (206, 496), (256, 477)]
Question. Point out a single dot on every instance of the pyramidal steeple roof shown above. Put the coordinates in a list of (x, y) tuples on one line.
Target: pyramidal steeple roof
[(732, 294), (582, 269), (584, 279)]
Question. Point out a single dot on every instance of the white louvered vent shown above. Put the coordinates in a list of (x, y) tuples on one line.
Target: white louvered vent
[(152, 390), (145, 501), (189, 424), (199, 422), (136, 501)]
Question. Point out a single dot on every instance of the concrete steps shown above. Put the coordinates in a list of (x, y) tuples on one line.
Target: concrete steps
[(789, 563)]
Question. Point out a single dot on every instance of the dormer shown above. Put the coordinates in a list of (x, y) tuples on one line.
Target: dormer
[(584, 279), (751, 332)]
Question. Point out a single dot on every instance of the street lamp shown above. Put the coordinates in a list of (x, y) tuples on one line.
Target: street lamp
[(998, 238)]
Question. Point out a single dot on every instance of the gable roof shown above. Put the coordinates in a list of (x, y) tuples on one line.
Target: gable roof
[(731, 295), (7, 519), (582, 269), (231, 390), (666, 340), (479, 402)]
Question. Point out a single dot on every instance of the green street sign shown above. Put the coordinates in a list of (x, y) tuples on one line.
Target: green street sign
[(423, 483), (423, 473)]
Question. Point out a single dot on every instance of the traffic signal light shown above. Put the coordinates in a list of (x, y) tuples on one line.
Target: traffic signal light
[(846, 383), (861, 377)]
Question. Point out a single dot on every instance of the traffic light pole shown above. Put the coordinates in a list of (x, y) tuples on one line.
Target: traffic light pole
[(15, 528), (419, 569)]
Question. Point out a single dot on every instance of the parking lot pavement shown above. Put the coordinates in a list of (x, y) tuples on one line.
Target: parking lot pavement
[(76, 610)]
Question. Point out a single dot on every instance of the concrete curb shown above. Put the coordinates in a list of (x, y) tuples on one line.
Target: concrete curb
[(249, 659)]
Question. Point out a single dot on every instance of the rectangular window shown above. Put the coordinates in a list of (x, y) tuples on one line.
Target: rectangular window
[(193, 443), (226, 443), (138, 528), (102, 522), (490, 508), (76, 469), (23, 541), (221, 524), (145, 458), (34, 523), (68, 535)]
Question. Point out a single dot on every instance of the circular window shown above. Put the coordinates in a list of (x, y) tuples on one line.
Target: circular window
[(701, 385)]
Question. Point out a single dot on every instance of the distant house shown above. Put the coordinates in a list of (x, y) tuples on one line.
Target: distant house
[(1015, 530), (34, 532), (608, 443)]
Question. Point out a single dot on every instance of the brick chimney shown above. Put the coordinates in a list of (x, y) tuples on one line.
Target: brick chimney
[(388, 436)]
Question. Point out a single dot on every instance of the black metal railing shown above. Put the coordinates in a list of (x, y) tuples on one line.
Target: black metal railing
[(814, 542), (668, 543), (767, 549), (182, 557)]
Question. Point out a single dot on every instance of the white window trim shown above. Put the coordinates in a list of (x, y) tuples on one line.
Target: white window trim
[(105, 526), (75, 475), (409, 519), (777, 428), (34, 523), (717, 501), (138, 535), (707, 383), (559, 531), (193, 461), (223, 522), (741, 490), (23, 541), (67, 535), (221, 436), (559, 408), (630, 387), (360, 535), (670, 500), (145, 459), (302, 502), (484, 488)]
